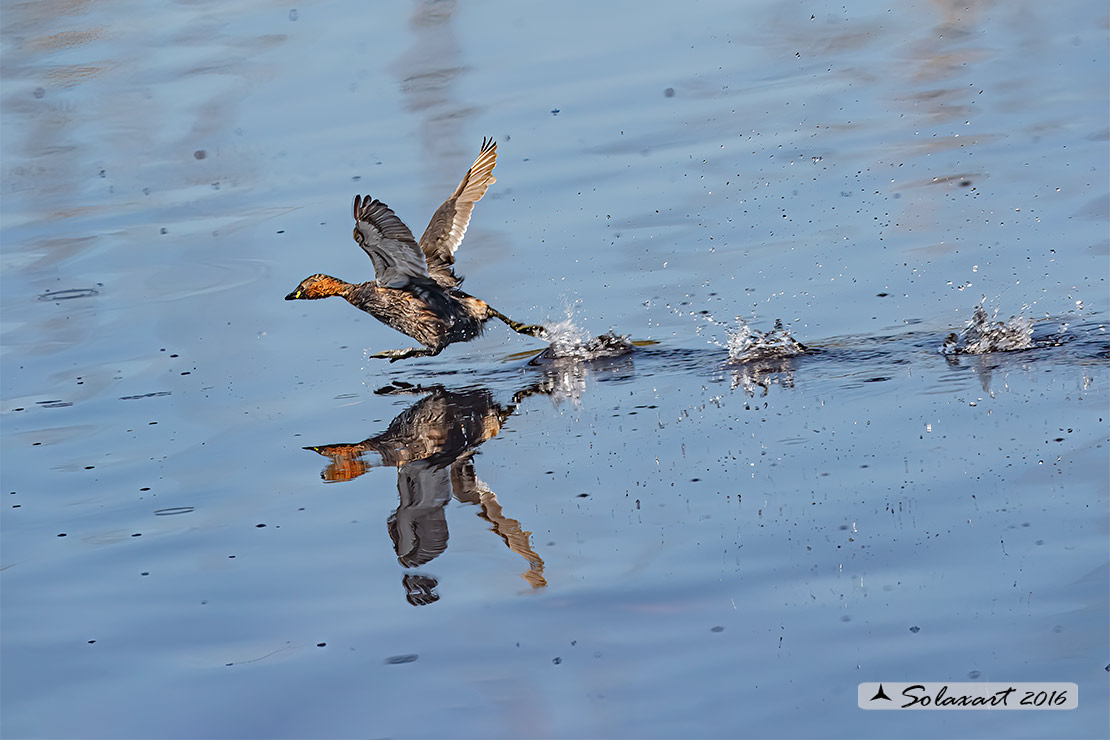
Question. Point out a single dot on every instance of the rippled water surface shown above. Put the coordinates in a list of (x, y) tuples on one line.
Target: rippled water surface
[(223, 519)]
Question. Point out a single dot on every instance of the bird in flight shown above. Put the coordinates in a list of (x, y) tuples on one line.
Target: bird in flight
[(416, 290)]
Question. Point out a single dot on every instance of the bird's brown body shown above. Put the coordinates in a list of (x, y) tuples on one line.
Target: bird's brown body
[(416, 291)]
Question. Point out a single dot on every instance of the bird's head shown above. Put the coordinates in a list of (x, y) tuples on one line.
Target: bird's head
[(318, 286)]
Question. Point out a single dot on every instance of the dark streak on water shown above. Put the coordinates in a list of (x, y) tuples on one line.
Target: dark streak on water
[(66, 295), (174, 511)]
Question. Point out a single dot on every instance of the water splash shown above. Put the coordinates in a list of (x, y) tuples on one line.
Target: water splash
[(566, 362), (564, 335), (571, 342), (746, 344), (984, 334)]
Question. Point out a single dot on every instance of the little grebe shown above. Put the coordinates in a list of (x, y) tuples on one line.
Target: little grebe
[(416, 290)]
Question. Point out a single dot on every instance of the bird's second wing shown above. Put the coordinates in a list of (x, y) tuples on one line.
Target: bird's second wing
[(448, 226), (390, 244)]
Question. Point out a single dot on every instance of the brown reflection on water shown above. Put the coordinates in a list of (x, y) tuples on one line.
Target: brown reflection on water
[(936, 75), (427, 73), (432, 444)]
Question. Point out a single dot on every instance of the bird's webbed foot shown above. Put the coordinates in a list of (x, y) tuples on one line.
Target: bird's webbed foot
[(532, 330)]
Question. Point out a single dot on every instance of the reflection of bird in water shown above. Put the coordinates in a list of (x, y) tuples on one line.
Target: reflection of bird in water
[(432, 445), (416, 291)]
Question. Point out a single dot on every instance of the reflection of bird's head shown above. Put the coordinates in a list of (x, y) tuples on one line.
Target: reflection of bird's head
[(346, 463)]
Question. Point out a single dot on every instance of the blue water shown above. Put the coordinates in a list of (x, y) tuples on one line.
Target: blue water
[(668, 544)]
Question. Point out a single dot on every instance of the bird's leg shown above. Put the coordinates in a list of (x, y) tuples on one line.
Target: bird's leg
[(402, 354), (532, 330)]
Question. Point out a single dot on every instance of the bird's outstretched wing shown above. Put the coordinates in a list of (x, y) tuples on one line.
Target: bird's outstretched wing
[(390, 244), (448, 226)]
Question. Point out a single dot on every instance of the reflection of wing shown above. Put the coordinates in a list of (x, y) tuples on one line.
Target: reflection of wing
[(419, 526), (448, 226), (389, 243)]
